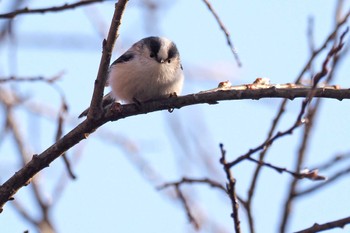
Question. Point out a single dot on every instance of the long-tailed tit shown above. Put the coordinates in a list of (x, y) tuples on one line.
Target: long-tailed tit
[(151, 69)]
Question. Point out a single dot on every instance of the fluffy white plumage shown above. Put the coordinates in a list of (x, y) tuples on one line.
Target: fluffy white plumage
[(151, 69)]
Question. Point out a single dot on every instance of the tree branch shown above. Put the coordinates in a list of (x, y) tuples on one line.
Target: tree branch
[(326, 226), (115, 112), (231, 190), (107, 45), (185, 180)]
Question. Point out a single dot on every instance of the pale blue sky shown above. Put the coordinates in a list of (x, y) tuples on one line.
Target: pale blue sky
[(110, 194)]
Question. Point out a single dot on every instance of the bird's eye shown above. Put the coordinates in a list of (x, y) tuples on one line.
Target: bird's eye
[(169, 61), (152, 55)]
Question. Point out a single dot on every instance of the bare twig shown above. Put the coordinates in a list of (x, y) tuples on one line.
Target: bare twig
[(180, 195), (187, 207), (231, 190), (65, 6), (107, 48), (332, 53), (326, 226), (223, 28), (186, 180), (59, 132), (329, 181), (309, 174), (299, 121), (30, 79)]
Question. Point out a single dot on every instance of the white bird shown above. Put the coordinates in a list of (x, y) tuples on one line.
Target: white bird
[(151, 69)]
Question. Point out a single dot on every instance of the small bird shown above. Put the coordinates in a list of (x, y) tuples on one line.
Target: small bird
[(151, 69)]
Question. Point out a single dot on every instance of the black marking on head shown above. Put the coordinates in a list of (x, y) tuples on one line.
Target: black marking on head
[(172, 51), (124, 58), (153, 44)]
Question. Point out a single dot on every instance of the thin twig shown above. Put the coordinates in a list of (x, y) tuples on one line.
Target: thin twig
[(331, 54), (309, 174), (59, 132), (186, 180), (329, 181), (231, 190), (187, 207), (326, 226), (227, 34), (30, 79), (65, 6)]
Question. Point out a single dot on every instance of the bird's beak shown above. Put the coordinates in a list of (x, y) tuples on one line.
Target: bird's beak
[(160, 59)]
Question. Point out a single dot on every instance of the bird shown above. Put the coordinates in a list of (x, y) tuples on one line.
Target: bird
[(150, 70)]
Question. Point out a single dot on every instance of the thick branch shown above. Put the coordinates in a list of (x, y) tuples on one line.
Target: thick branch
[(116, 112), (100, 82)]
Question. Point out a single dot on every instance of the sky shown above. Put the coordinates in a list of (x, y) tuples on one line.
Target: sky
[(119, 166)]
